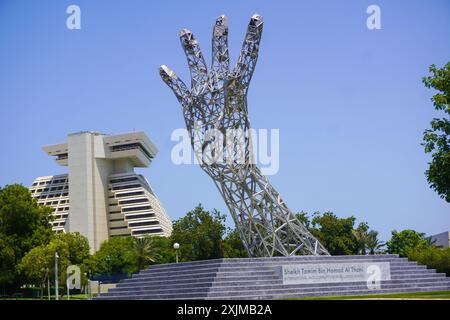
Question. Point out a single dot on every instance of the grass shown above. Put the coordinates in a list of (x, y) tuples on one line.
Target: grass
[(52, 297), (409, 295)]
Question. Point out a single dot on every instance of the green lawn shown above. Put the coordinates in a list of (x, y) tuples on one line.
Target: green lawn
[(410, 295), (52, 297)]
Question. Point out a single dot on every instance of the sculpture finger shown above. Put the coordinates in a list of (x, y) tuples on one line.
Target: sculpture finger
[(249, 54), (220, 56), (196, 62), (176, 84)]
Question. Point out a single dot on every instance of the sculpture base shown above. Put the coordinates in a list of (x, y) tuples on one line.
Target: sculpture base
[(280, 277)]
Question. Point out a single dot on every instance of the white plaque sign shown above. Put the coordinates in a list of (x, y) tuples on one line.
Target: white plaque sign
[(336, 272)]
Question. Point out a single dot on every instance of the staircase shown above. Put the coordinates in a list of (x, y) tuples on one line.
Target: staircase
[(260, 278)]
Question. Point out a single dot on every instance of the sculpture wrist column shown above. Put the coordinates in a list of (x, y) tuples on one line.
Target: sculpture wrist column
[(266, 225)]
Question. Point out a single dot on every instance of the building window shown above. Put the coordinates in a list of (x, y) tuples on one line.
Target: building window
[(140, 216), (141, 200), (131, 146), (145, 223), (115, 228), (123, 180), (137, 232), (62, 156), (130, 186), (136, 208), (129, 194)]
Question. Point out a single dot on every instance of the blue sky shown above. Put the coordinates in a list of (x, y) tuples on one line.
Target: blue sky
[(348, 101)]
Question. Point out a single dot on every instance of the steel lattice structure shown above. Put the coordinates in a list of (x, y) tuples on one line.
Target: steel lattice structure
[(218, 100)]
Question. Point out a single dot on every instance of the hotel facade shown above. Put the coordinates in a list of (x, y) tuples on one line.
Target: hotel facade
[(101, 196)]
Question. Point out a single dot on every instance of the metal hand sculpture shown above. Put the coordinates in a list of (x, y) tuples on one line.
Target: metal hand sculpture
[(218, 100)]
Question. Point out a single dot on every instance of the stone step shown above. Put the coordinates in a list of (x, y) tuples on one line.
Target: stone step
[(221, 278), (176, 291), (202, 274), (244, 280), (206, 277), (260, 278), (325, 294), (274, 294), (296, 259), (220, 285), (311, 257), (176, 284), (250, 271), (272, 282), (425, 273), (259, 262), (228, 290), (246, 267), (256, 276), (278, 296)]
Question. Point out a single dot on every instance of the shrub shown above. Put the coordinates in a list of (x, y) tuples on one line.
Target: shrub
[(432, 257)]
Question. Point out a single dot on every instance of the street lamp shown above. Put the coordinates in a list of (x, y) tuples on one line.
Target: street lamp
[(108, 264), (176, 246), (88, 275), (48, 282), (56, 276)]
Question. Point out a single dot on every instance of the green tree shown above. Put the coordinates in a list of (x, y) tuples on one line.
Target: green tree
[(437, 139), (233, 246), (336, 234), (37, 261), (146, 251), (339, 235), (373, 244), (361, 235), (23, 225), (164, 250), (304, 219), (79, 252), (22, 219), (78, 246), (403, 241), (429, 239), (116, 255), (199, 234), (7, 262), (35, 265)]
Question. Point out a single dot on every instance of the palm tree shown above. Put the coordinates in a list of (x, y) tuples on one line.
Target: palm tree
[(360, 235), (430, 241), (145, 250), (373, 244)]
